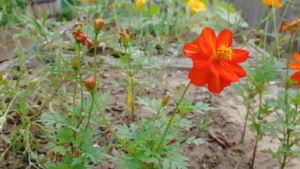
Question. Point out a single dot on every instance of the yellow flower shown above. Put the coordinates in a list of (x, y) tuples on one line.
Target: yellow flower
[(139, 3), (196, 6), (269, 3)]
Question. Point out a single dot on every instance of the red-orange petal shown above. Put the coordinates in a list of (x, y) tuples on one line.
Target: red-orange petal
[(201, 64), (208, 35), (214, 70), (205, 48), (295, 76), (295, 65), (190, 49), (298, 84), (225, 38), (239, 56), (239, 70), (199, 78), (216, 85), (226, 72), (296, 57)]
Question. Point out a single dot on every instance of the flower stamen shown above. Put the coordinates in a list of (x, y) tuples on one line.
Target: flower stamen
[(223, 53)]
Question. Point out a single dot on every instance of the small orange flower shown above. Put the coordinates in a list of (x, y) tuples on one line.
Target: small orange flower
[(111, 6), (275, 3), (80, 36), (289, 27), (214, 62), (296, 66), (123, 6)]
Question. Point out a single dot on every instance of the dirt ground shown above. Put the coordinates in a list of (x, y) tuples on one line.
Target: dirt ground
[(228, 123)]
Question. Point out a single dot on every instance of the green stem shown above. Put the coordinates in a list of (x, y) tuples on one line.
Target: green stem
[(245, 124), (255, 148), (266, 31), (112, 132), (276, 31), (95, 61), (173, 116), (74, 97)]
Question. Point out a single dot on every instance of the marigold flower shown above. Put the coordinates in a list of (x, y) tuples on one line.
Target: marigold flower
[(90, 83), (196, 6), (270, 3), (172, 141), (124, 38), (111, 6), (289, 27), (80, 36), (139, 3), (296, 66), (214, 62)]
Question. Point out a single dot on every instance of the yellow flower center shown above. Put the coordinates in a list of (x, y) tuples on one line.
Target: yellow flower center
[(223, 53)]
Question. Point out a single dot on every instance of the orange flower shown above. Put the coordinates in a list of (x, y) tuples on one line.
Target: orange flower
[(123, 6), (289, 27), (214, 62), (296, 66), (270, 3), (111, 6), (80, 36)]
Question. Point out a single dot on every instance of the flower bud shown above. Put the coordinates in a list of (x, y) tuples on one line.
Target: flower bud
[(90, 84), (98, 25), (70, 103), (101, 59), (75, 64), (166, 100), (178, 88), (257, 41), (64, 100), (279, 48), (69, 114)]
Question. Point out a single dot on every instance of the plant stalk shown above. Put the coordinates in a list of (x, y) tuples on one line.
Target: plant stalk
[(172, 116)]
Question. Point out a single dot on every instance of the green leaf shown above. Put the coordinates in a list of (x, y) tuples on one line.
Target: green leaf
[(19, 78), (50, 145), (175, 162), (45, 17), (154, 9), (197, 141), (5, 138)]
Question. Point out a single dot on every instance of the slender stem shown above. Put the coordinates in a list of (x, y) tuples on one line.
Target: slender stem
[(112, 132), (266, 31), (87, 124), (74, 96), (95, 61), (255, 148), (245, 124), (275, 28), (173, 116), (287, 71), (156, 115)]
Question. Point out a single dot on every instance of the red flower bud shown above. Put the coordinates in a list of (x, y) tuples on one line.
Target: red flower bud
[(90, 83), (98, 24)]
